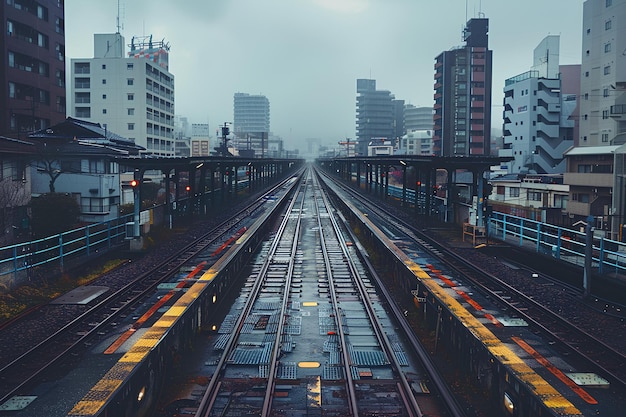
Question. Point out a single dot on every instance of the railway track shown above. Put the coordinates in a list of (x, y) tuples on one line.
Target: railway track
[(69, 329), (280, 261), (347, 264), (259, 361), (593, 351)]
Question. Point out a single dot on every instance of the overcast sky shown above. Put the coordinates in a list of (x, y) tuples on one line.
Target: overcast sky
[(305, 55)]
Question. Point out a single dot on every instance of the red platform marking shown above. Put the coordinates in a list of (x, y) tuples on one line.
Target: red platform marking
[(463, 294), (555, 371), (142, 320), (229, 241)]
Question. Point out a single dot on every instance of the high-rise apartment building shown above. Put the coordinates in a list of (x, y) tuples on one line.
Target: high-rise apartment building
[(32, 71), (418, 118), (603, 79), (130, 93), (399, 128), (462, 110), (375, 115), (596, 170), (539, 110)]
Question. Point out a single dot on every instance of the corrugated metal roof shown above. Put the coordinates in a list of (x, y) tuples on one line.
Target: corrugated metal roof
[(591, 150)]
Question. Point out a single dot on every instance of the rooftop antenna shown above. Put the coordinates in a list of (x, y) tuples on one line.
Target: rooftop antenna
[(119, 25)]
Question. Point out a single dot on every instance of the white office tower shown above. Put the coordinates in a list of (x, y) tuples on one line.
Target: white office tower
[(131, 93), (538, 108)]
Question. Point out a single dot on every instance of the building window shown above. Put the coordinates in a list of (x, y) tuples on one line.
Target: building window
[(44, 97), (607, 70), (42, 13), (607, 25), (104, 66), (82, 98), (130, 96), (603, 168), (104, 81), (61, 104), (584, 138), (81, 82), (59, 25), (131, 126), (607, 47), (130, 81), (585, 117), (584, 169), (514, 192), (81, 67), (131, 112), (586, 96), (84, 112), (42, 40), (560, 201), (129, 66), (605, 114), (608, 3), (580, 197), (586, 73), (104, 96), (534, 196), (44, 69), (104, 111), (605, 92), (60, 78), (605, 137)]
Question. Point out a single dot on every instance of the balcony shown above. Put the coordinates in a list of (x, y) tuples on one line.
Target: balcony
[(618, 111), (587, 179)]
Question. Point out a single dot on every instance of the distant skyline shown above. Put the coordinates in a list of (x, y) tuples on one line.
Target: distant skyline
[(305, 56)]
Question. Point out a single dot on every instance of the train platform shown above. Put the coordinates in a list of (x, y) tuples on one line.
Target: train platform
[(565, 386), (587, 392)]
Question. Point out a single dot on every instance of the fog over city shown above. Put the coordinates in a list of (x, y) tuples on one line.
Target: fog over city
[(305, 55)]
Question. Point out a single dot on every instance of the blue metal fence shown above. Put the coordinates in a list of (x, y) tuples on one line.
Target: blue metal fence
[(18, 260), (608, 256)]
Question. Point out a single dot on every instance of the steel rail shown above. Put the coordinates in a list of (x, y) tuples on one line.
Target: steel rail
[(450, 400), (208, 399), (411, 405)]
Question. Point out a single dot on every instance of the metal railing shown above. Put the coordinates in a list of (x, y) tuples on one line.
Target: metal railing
[(608, 256), (19, 260)]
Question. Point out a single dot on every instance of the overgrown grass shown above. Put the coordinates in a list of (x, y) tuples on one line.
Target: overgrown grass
[(26, 296)]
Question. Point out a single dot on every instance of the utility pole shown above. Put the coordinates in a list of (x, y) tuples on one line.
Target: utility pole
[(223, 148)]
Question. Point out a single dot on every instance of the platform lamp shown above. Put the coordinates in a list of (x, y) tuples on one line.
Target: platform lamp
[(403, 182)]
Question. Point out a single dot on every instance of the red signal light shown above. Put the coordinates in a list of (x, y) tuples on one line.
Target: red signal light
[(188, 188), (419, 183), (134, 183)]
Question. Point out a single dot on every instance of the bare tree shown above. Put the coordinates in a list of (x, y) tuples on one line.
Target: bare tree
[(47, 161), (13, 194), (50, 166)]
